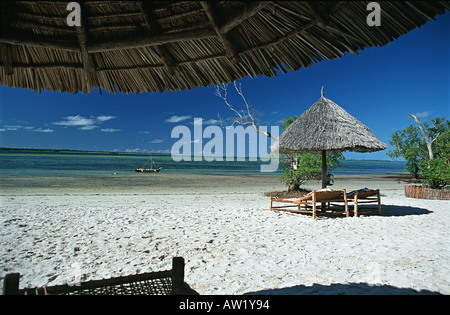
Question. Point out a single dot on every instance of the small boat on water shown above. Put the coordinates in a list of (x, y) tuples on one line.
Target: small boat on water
[(152, 169), (148, 170)]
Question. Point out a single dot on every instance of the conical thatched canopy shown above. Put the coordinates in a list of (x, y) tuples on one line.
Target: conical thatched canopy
[(156, 46), (324, 128), (327, 126)]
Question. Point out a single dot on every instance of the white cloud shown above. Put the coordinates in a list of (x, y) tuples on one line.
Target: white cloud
[(212, 122), (177, 119), (207, 122), (157, 141), (12, 128), (88, 127), (109, 130), (75, 121), (85, 123), (42, 130), (424, 114), (27, 128), (279, 122), (133, 150), (105, 118)]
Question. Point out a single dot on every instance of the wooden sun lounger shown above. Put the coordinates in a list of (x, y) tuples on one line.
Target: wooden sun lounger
[(309, 201), (359, 197), (168, 282)]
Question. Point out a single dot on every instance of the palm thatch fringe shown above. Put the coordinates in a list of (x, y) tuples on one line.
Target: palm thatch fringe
[(327, 126), (143, 46)]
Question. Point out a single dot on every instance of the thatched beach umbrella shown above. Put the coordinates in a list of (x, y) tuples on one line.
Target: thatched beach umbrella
[(324, 128), (156, 46)]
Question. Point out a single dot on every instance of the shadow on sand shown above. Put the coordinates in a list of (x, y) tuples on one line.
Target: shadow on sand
[(343, 289), (397, 211), (388, 211)]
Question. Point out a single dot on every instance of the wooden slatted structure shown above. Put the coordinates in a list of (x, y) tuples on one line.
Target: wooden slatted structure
[(167, 282), (308, 203), (420, 192), (156, 46)]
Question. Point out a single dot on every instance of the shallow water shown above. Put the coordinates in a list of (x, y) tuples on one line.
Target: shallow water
[(86, 169)]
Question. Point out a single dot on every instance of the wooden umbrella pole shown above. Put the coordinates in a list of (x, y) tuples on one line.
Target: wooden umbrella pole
[(324, 169)]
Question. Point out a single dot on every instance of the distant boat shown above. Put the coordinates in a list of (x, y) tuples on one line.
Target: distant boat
[(148, 170), (152, 169)]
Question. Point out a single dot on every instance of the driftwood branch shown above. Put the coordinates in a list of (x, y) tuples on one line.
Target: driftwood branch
[(244, 117), (241, 117), (439, 133), (427, 139)]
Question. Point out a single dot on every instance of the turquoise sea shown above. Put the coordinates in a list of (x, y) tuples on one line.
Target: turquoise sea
[(50, 163)]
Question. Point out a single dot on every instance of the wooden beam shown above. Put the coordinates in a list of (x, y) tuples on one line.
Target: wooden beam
[(74, 66), (323, 17), (300, 28), (247, 12), (6, 56), (294, 32), (88, 65), (88, 62), (150, 40), (11, 284), (77, 66), (142, 40), (178, 271), (336, 6), (213, 18), (145, 40), (8, 11), (34, 41), (324, 170), (153, 28)]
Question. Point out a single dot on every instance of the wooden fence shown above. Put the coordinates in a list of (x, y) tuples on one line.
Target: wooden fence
[(420, 192)]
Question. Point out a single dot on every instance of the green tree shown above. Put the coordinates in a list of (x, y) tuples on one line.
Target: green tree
[(436, 172), (307, 166), (409, 145), (441, 145), (426, 149)]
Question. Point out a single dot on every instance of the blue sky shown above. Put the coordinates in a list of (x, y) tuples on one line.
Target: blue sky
[(379, 86)]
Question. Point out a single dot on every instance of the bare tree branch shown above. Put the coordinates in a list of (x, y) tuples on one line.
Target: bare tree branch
[(244, 117), (427, 139), (439, 133)]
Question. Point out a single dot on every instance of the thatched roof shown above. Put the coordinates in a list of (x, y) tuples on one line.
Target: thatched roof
[(148, 46), (327, 126)]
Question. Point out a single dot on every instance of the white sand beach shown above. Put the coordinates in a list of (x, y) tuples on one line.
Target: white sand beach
[(231, 241)]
